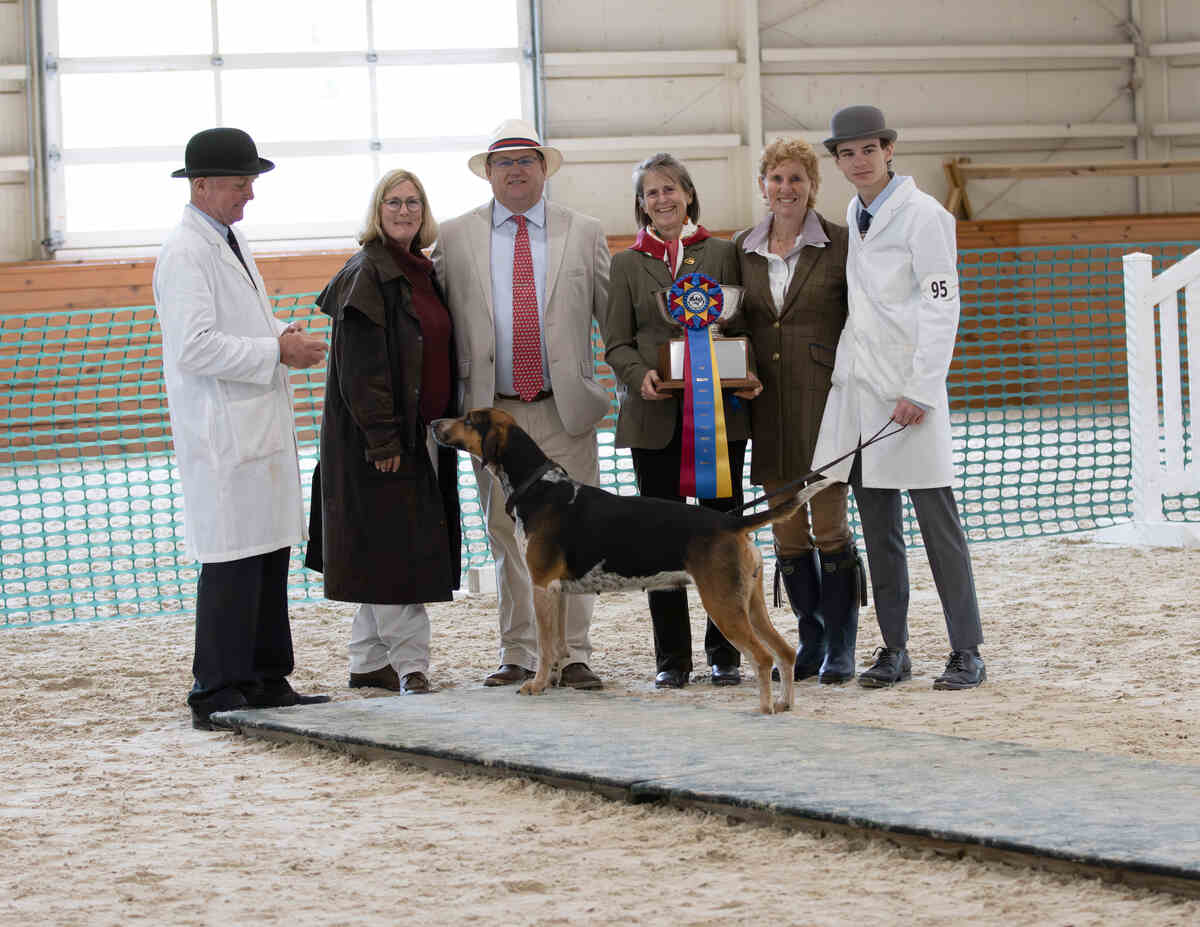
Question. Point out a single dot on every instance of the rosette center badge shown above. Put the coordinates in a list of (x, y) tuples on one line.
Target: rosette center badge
[(695, 301)]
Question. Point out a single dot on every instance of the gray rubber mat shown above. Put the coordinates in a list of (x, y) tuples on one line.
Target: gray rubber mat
[(1122, 816)]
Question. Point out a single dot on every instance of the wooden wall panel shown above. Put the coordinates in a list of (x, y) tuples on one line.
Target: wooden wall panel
[(33, 286)]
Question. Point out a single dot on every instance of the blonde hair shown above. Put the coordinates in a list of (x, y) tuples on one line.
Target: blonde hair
[(792, 149), (373, 228)]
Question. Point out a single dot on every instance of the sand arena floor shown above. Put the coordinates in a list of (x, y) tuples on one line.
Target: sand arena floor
[(114, 811)]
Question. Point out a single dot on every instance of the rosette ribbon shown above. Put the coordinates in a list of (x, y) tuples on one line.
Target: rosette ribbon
[(695, 302)]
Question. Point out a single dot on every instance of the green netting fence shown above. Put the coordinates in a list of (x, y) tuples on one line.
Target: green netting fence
[(90, 499)]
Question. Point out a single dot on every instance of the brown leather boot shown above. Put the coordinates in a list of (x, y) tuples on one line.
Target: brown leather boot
[(384, 678)]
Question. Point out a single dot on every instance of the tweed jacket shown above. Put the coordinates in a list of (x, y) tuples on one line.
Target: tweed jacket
[(795, 351), (635, 329)]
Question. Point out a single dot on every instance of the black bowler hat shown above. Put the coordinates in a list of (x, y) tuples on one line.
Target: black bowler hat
[(222, 152), (855, 122)]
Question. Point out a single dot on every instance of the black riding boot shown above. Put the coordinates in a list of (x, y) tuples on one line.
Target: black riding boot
[(843, 588), (802, 580)]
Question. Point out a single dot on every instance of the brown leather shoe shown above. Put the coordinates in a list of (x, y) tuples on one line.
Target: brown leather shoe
[(414, 684), (508, 674), (384, 678), (578, 676)]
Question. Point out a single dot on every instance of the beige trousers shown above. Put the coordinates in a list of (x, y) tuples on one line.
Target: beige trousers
[(828, 529), (518, 626)]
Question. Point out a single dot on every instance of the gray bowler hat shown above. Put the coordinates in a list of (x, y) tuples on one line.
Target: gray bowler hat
[(853, 122)]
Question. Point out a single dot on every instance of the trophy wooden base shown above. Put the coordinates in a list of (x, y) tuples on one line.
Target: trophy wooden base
[(731, 363)]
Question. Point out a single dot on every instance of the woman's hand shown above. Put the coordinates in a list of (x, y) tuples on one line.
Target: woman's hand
[(650, 386), (388, 464), (751, 391)]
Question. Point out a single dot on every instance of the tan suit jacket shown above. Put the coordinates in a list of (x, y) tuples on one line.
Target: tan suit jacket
[(577, 260)]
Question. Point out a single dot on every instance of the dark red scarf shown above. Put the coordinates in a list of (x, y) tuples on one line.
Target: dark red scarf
[(666, 251)]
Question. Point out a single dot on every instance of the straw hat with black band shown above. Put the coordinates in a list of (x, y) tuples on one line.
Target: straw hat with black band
[(512, 135)]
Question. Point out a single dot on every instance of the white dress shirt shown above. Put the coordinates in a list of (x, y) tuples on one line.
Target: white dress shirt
[(877, 204), (504, 236), (781, 269)]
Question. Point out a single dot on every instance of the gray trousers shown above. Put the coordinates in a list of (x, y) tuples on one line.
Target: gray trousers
[(882, 516)]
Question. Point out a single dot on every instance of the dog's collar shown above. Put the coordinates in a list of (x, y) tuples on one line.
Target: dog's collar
[(515, 496)]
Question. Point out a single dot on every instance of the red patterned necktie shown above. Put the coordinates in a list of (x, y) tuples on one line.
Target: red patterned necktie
[(527, 331)]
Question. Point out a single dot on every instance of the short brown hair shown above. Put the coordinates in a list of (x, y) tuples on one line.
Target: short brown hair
[(373, 229), (671, 166), (792, 149)]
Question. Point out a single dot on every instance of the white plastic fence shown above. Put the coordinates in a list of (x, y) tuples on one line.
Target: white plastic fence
[(1160, 431)]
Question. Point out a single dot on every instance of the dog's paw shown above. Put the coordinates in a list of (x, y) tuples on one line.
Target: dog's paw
[(532, 688), (782, 705)]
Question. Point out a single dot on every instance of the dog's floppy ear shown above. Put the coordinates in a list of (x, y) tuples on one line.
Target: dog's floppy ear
[(491, 443)]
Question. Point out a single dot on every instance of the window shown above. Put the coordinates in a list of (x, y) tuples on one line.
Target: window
[(334, 94)]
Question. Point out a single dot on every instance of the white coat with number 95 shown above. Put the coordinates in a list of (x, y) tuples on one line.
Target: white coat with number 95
[(897, 344)]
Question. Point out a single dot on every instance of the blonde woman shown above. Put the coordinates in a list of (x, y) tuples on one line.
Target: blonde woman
[(385, 522), (793, 267)]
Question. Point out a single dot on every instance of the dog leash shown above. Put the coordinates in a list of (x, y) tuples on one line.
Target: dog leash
[(817, 471)]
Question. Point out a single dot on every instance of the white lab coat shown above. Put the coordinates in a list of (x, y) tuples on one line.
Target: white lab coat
[(229, 398), (897, 343)]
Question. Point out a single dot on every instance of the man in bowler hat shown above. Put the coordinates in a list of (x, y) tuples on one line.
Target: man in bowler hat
[(225, 362), (892, 361)]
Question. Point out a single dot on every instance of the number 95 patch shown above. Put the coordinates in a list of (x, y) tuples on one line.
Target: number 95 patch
[(940, 288)]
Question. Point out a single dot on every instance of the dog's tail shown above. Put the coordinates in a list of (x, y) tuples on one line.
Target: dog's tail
[(783, 509)]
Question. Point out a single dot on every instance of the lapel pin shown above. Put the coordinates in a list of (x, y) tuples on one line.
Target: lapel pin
[(689, 260)]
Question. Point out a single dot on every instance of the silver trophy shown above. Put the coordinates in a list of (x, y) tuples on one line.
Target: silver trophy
[(731, 353)]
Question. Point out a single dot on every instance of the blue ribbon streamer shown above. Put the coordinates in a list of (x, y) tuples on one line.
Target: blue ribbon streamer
[(704, 412)]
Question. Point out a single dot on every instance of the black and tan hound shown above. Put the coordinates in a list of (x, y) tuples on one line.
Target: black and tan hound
[(583, 539)]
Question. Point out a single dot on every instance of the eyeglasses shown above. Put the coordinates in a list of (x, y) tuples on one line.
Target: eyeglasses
[(505, 163), (413, 203)]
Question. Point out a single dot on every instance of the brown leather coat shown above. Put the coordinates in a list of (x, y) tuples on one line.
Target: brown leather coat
[(384, 538), (794, 352)]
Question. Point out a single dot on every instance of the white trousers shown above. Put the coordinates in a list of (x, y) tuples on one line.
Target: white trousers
[(395, 634), (518, 626)]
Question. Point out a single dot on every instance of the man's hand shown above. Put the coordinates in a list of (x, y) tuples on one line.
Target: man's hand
[(650, 386), (299, 350), (906, 413), (750, 391)]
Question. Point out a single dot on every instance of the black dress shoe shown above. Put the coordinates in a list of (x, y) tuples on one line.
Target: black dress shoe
[(964, 670), (308, 699), (277, 695), (508, 674), (204, 721), (671, 679), (891, 667), (730, 675), (228, 699)]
